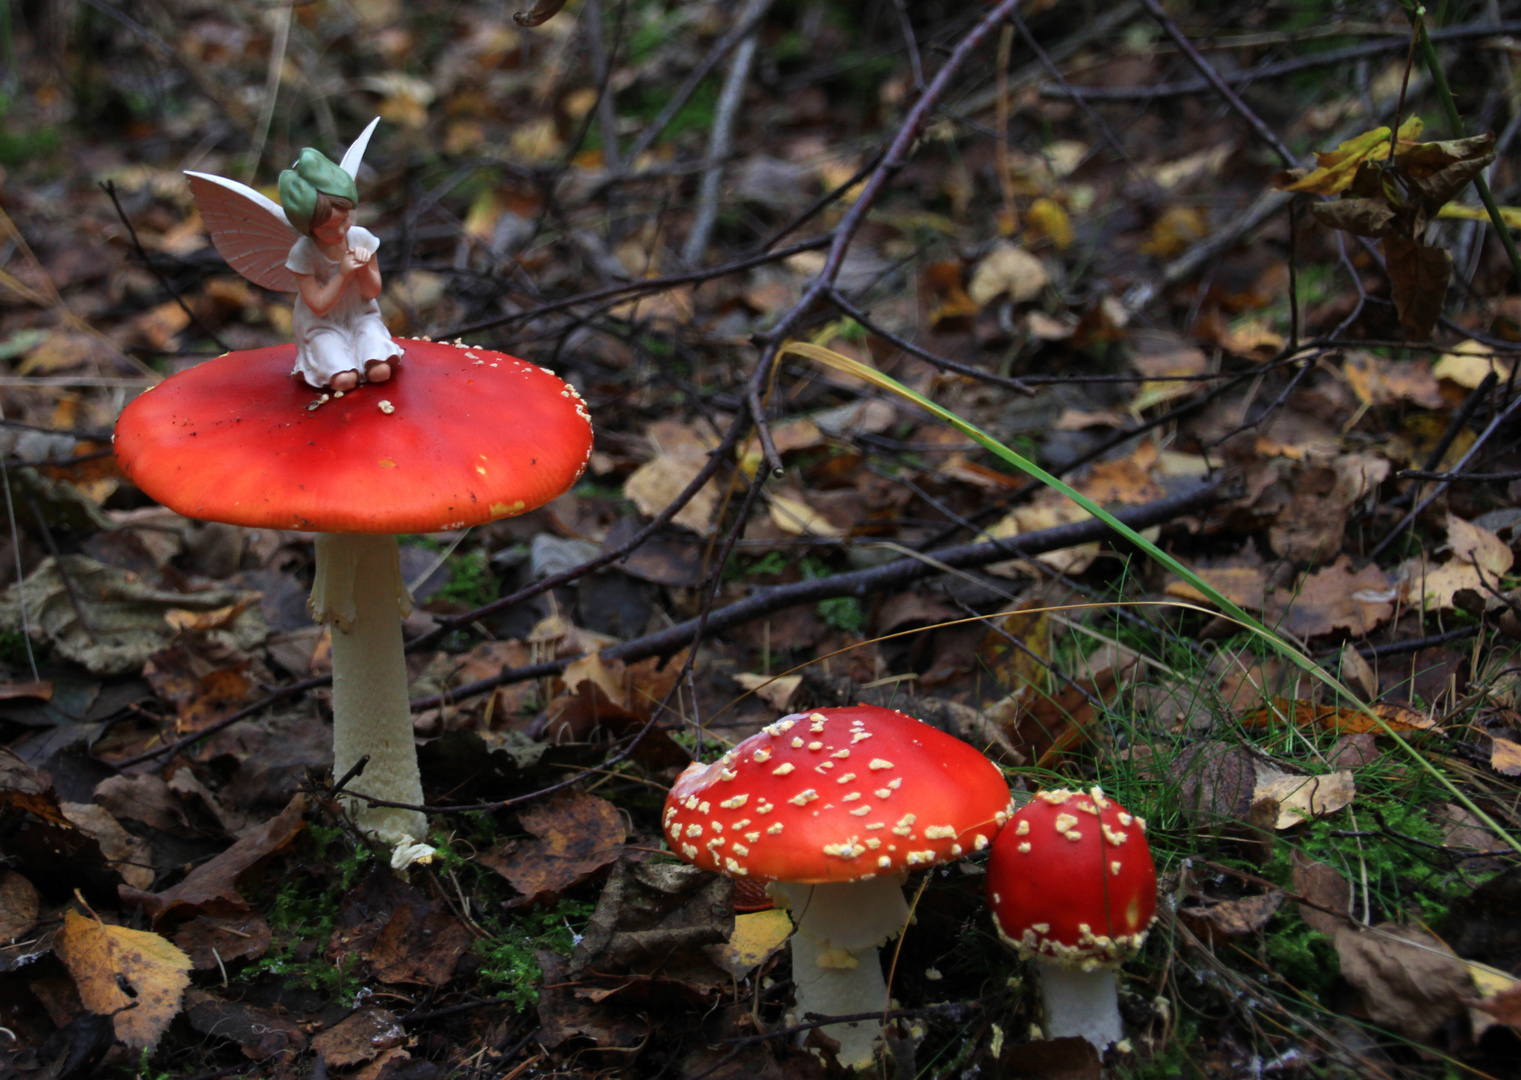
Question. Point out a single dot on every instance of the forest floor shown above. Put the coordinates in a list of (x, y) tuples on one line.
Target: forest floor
[(1067, 228)]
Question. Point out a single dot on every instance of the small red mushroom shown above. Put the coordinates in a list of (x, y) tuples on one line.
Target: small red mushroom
[(1072, 886), (833, 808), (460, 436)]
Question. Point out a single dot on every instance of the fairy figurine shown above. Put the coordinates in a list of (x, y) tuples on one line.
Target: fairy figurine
[(308, 244)]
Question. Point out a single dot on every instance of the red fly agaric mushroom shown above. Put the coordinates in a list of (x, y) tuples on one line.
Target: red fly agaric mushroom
[(1072, 885), (833, 808), (461, 436)]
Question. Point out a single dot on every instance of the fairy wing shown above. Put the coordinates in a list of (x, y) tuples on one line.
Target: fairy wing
[(249, 230), (355, 153)]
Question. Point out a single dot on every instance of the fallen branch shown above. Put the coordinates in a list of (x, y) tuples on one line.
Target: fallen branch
[(857, 583)]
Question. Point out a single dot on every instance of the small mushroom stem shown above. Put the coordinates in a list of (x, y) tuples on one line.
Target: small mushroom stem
[(835, 967), (359, 592), (1084, 1004)]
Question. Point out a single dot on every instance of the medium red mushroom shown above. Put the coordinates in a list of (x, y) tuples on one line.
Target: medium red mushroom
[(461, 436), (1072, 886), (833, 808)]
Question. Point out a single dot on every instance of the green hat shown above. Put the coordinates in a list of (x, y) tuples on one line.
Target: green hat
[(313, 174)]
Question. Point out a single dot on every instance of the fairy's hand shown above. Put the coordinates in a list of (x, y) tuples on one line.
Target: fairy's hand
[(361, 255), (352, 261)]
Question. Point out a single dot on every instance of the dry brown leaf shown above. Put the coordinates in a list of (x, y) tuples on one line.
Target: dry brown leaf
[(1326, 894), (418, 945), (1301, 713), (1007, 270), (1505, 1006), (18, 906), (126, 854), (212, 888), (1378, 381), (575, 836), (1418, 279), (1231, 918), (98, 955), (1411, 983), (774, 690), (1244, 586), (1334, 598), (1478, 557), (681, 453), (1303, 797), (261, 1033), (1358, 673), (359, 1037), (213, 942), (1125, 481), (1047, 510)]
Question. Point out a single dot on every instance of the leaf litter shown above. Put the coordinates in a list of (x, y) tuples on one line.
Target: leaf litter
[(1158, 352)]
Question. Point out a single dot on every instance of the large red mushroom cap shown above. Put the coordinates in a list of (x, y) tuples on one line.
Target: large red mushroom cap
[(459, 436), (836, 795), (1071, 881)]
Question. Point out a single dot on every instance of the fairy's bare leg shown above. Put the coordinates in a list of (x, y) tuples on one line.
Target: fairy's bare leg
[(345, 381), (377, 370)]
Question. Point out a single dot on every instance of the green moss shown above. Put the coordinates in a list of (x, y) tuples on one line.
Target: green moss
[(470, 579), (509, 968)]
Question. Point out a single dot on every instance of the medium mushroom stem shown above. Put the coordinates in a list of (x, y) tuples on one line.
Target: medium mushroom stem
[(358, 590), (835, 967), (1080, 1003)]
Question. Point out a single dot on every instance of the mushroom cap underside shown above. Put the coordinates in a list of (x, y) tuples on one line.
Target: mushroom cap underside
[(835, 795), (458, 436), (1071, 880)]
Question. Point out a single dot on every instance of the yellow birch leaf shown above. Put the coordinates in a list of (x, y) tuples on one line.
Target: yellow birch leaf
[(1505, 756), (796, 517), (1511, 215), (1302, 797), (1048, 220), (1468, 363), (98, 955), (1335, 168), (757, 935)]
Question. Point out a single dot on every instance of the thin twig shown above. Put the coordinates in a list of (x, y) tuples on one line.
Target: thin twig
[(1432, 496), (142, 254), (1264, 133), (885, 578), (684, 92), (992, 378), (1331, 58), (721, 136)]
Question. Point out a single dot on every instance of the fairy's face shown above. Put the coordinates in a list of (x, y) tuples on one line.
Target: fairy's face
[(335, 229)]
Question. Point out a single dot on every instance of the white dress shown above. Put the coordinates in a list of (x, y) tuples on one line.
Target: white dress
[(352, 333)]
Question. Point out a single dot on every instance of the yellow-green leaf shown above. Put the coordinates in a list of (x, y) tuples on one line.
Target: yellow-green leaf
[(1335, 168)]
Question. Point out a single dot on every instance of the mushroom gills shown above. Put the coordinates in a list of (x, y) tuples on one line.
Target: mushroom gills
[(835, 966), (1081, 1004)]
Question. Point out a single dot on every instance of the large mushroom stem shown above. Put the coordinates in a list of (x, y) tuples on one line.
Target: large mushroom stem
[(358, 590), (1082, 1004), (835, 967)]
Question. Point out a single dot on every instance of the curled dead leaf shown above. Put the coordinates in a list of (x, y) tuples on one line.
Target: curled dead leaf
[(1225, 919), (1302, 797), (1301, 713)]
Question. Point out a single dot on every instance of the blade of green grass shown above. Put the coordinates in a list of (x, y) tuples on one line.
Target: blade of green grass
[(829, 358)]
